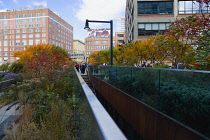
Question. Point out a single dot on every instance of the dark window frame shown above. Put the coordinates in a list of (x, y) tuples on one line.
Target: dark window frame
[(155, 7)]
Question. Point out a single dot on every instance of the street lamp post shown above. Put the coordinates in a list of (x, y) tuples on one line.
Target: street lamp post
[(111, 35)]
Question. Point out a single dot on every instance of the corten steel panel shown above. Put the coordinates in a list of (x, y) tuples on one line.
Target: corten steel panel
[(149, 123)]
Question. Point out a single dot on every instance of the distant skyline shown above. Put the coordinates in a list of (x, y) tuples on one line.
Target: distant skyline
[(75, 12)]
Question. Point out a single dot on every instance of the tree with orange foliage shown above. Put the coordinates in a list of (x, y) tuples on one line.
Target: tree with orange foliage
[(94, 58), (42, 58)]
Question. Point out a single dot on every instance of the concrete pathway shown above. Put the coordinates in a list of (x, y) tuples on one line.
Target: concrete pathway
[(8, 115)]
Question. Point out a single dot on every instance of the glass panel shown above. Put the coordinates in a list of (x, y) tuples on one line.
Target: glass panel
[(162, 26), (162, 7), (141, 26), (181, 5), (155, 26), (154, 7), (188, 5), (148, 26)]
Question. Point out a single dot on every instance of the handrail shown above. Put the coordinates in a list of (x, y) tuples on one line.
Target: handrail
[(108, 128)]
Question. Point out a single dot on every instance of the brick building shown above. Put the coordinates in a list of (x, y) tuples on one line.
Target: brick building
[(25, 27)]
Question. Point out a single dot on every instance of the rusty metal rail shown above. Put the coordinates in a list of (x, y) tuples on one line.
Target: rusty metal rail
[(147, 122)]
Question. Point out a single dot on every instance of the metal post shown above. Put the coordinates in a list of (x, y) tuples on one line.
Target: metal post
[(111, 42), (111, 35)]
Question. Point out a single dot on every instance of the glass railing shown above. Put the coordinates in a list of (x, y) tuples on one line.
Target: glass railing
[(85, 125), (91, 119), (181, 94)]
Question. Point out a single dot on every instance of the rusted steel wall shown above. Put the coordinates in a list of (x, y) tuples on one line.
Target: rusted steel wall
[(149, 123)]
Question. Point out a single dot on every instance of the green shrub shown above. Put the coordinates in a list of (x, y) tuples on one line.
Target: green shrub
[(187, 104)]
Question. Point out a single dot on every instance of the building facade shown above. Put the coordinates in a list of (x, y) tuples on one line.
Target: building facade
[(120, 25), (25, 27), (78, 51), (95, 44), (149, 17)]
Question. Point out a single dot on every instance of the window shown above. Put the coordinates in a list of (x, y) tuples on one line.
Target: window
[(5, 32), (148, 29), (104, 47), (97, 42), (17, 36), (104, 41), (43, 24), (43, 35), (37, 41), (30, 42), (88, 42), (17, 31), (120, 35), (30, 30), (155, 7), (17, 21), (37, 25), (88, 47), (23, 15), (30, 20), (120, 41), (5, 43), (43, 19), (4, 17), (17, 26), (37, 14), (36, 19), (5, 49), (43, 30), (88, 53), (30, 25), (191, 7), (24, 42), (17, 42), (30, 15), (30, 36), (23, 36), (44, 41), (17, 16), (23, 26), (23, 31), (23, 20), (5, 37), (37, 35), (37, 30), (97, 47)]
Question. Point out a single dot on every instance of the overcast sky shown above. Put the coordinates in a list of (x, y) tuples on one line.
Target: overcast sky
[(75, 12)]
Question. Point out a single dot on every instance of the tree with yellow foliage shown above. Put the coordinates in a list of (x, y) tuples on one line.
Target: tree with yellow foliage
[(42, 58)]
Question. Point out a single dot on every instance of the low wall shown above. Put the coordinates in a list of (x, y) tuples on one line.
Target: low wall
[(147, 122)]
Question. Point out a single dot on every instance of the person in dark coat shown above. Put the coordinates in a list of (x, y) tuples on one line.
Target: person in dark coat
[(77, 67), (82, 68)]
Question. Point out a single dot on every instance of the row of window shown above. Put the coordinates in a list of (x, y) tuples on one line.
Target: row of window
[(23, 15), (22, 42), (153, 26), (22, 36), (23, 31), (12, 48), (166, 7), (103, 42), (25, 26), (24, 20), (148, 29), (155, 7), (189, 7), (97, 47)]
